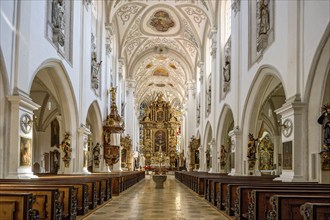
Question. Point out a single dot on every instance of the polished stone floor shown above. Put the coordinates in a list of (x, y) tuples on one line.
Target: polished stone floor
[(144, 202)]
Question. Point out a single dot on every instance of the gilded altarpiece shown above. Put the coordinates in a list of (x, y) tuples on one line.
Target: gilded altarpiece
[(160, 125), (126, 152)]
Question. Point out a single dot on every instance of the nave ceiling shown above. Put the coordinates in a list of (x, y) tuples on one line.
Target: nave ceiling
[(161, 44)]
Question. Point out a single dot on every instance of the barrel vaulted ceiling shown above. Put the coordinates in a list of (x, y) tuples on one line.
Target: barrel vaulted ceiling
[(161, 43)]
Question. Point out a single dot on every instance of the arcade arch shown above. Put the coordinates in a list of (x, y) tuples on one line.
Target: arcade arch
[(226, 156), (57, 115), (262, 143)]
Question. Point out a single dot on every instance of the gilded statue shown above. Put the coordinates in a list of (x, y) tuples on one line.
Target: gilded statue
[(324, 120), (66, 148), (252, 148), (25, 159), (223, 156)]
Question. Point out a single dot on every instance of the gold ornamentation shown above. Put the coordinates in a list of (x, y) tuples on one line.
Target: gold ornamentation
[(126, 152), (66, 148), (25, 155), (325, 160), (113, 125), (160, 124)]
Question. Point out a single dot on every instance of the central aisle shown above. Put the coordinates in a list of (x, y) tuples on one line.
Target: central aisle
[(144, 202)]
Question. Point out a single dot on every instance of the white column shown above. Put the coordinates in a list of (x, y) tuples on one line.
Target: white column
[(278, 150), (293, 168), (21, 108), (82, 149), (236, 148), (202, 162), (214, 152), (129, 108)]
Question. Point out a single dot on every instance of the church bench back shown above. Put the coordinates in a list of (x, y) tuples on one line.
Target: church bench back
[(315, 211), (17, 205), (286, 207), (260, 205), (45, 200), (234, 198), (67, 194)]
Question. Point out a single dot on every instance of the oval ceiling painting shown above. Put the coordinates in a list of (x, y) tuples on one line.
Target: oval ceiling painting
[(162, 20)]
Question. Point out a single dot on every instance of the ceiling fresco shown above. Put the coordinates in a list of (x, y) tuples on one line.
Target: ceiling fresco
[(161, 43)]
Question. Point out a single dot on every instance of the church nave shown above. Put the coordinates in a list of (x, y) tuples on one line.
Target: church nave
[(143, 202)]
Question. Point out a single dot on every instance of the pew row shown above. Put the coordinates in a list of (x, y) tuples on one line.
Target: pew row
[(77, 194), (235, 195)]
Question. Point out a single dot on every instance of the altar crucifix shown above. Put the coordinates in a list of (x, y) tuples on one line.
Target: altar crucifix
[(160, 141)]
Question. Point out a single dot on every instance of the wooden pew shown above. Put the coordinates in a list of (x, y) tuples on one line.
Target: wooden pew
[(241, 193), (45, 200), (222, 194), (17, 206), (194, 180), (286, 207), (89, 190), (87, 195), (260, 206), (315, 211), (67, 194)]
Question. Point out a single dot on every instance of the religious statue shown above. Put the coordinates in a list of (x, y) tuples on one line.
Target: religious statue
[(324, 120), (223, 156), (58, 14), (263, 17), (226, 72), (25, 159), (251, 151), (252, 148), (209, 96), (160, 142), (66, 147), (97, 152), (95, 71), (198, 112)]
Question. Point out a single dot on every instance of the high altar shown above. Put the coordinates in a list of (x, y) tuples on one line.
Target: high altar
[(160, 125)]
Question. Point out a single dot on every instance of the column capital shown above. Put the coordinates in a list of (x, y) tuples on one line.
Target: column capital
[(84, 130), (130, 83), (22, 101), (212, 142)]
